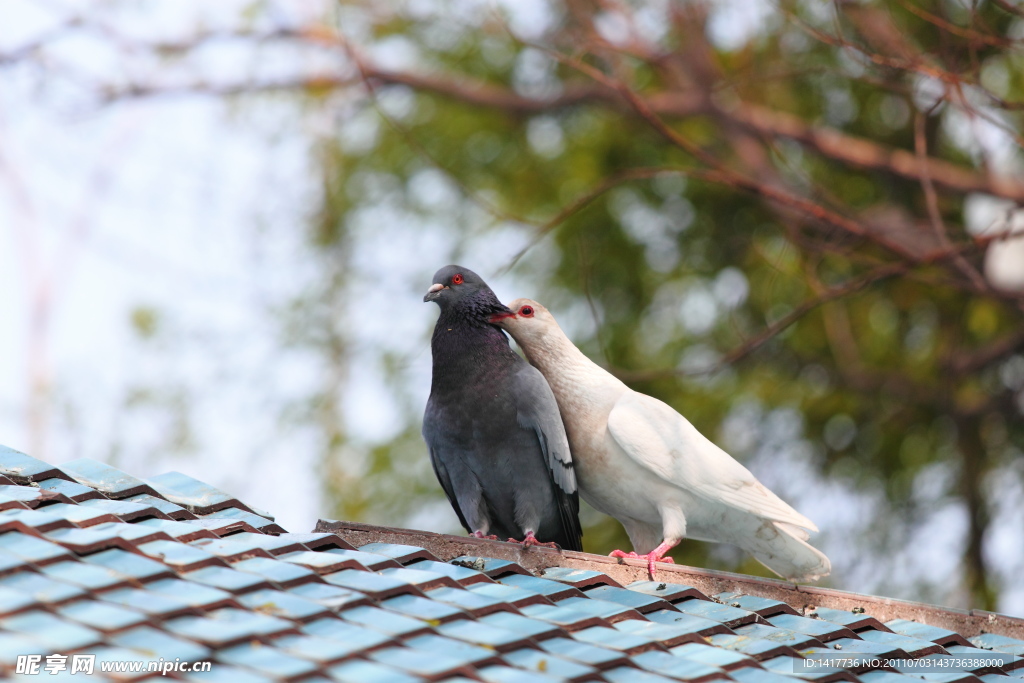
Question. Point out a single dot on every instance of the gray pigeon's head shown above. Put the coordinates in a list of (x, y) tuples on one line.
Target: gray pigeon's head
[(456, 287)]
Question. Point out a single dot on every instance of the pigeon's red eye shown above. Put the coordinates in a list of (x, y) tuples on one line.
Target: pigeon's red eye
[(526, 311), (457, 279)]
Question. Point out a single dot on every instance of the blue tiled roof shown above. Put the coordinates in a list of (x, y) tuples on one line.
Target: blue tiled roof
[(96, 561)]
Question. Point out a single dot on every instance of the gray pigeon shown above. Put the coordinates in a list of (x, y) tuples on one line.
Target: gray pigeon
[(492, 426)]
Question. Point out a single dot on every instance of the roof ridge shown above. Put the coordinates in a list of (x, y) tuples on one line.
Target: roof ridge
[(803, 598)]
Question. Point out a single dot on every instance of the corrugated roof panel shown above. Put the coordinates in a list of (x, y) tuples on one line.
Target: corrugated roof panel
[(119, 571)]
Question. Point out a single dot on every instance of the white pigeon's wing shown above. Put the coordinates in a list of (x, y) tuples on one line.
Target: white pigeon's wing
[(661, 440)]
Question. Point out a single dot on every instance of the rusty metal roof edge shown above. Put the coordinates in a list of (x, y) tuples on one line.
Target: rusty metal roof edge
[(710, 581)]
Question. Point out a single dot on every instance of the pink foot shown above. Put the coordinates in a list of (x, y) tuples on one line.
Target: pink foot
[(656, 555), (480, 534), (532, 540)]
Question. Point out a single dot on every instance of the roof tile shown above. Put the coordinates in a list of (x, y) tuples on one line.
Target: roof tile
[(102, 616), (631, 675), (585, 653), (552, 590), (177, 529), (433, 665), (266, 660), (564, 617), (580, 578), (855, 620), (385, 621), (42, 588), (819, 628), (319, 649), (318, 540), (165, 506), (507, 674), (32, 549), (641, 602), (21, 468), (229, 626), (783, 636), (533, 628), (58, 634), (356, 638), (915, 647), (423, 608), (180, 556), (676, 667), (486, 635), (195, 594), (758, 648), (613, 639), (403, 554), (672, 592), (934, 634), (761, 606), (713, 656), (610, 611), (377, 586), (730, 616), (535, 661), (669, 636), (698, 625), (134, 575), (130, 565), (492, 567), (127, 511), (459, 574), (281, 574), (993, 641), (517, 597), (195, 496), (283, 604), (238, 514), (333, 598), (105, 478), (361, 671), (424, 580), (13, 601), (473, 602), (327, 562), (154, 642), (230, 580), (474, 654), (72, 490), (154, 604)]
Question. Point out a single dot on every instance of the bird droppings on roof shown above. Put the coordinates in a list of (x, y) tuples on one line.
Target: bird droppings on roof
[(95, 561)]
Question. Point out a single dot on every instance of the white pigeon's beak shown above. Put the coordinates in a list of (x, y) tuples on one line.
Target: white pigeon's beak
[(434, 291)]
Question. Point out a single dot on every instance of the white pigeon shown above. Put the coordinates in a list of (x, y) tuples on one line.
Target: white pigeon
[(643, 463)]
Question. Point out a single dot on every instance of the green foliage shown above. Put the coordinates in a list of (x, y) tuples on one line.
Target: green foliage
[(681, 270)]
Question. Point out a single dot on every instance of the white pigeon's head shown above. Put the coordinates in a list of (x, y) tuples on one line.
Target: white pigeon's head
[(529, 323)]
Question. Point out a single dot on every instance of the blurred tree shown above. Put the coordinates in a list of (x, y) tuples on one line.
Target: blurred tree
[(777, 222), (773, 217)]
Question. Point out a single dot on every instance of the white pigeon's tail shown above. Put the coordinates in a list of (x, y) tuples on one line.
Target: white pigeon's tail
[(783, 548)]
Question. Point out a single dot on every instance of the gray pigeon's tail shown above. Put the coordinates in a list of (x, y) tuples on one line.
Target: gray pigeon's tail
[(783, 548)]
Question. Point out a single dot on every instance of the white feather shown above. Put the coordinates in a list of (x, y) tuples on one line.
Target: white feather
[(643, 463)]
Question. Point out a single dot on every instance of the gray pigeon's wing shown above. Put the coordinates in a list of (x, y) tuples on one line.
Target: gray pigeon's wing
[(433, 438), (537, 410)]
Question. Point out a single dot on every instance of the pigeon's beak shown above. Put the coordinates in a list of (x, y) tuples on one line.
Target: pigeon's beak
[(434, 291), (498, 318)]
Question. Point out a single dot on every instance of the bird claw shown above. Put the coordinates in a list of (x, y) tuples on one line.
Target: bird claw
[(651, 558), (480, 534), (532, 540)]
